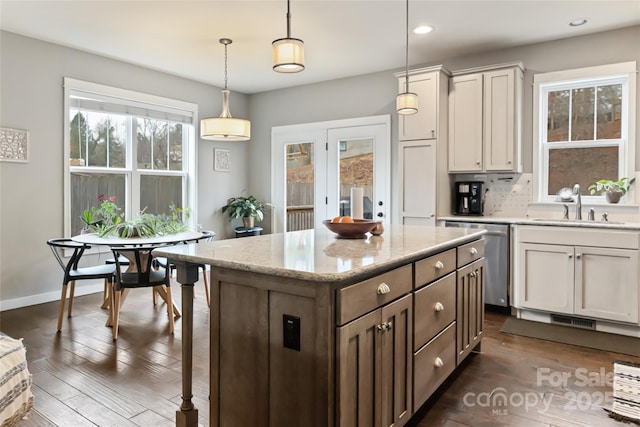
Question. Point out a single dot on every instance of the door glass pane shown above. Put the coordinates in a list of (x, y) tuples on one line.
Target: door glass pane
[(609, 112), (582, 114), (87, 188), (356, 171), (300, 186), (584, 166), (158, 192), (558, 116)]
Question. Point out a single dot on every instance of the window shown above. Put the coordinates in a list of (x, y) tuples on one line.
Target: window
[(136, 147), (583, 119)]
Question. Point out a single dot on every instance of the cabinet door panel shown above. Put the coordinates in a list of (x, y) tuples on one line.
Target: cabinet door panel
[(607, 283), (470, 313), (396, 373), (358, 361), (465, 123), (418, 178), (421, 125), (545, 277), (499, 122)]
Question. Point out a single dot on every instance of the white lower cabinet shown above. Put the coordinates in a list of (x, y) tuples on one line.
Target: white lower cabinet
[(582, 278)]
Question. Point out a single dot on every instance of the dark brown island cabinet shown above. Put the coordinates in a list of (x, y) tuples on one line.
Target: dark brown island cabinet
[(310, 330)]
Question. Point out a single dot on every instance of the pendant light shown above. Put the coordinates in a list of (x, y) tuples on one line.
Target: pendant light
[(407, 102), (225, 127), (288, 53)]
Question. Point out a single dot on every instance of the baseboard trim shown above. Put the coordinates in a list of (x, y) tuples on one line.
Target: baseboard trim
[(85, 289)]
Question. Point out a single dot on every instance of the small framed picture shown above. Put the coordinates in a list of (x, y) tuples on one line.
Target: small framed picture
[(221, 160), (14, 145)]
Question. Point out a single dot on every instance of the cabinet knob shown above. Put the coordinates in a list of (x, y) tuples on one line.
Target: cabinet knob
[(578, 256), (570, 256), (381, 328), (383, 288), (473, 251), (472, 274), (439, 265), (433, 133), (478, 162), (438, 306), (438, 363), (389, 325)]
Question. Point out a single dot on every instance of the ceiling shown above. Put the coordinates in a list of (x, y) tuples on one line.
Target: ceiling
[(342, 38)]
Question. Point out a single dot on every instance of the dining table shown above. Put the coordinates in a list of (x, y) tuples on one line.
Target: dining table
[(94, 239)]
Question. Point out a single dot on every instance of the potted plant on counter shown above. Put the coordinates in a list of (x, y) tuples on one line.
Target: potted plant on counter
[(613, 190), (247, 208)]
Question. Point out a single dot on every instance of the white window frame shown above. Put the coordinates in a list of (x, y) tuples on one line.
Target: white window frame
[(621, 73), (132, 174)]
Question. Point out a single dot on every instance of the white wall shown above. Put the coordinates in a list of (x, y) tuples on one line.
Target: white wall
[(31, 194)]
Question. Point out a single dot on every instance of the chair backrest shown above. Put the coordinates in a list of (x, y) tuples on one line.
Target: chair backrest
[(58, 247), (140, 271)]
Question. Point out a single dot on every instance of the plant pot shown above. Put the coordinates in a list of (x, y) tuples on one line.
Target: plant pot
[(248, 221), (613, 196)]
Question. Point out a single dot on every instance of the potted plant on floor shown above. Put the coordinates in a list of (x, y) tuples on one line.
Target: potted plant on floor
[(613, 190), (247, 208)]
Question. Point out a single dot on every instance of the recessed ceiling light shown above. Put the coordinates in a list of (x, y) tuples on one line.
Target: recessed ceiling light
[(578, 22), (422, 29)]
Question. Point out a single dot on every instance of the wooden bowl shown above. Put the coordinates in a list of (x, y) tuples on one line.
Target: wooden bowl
[(351, 230)]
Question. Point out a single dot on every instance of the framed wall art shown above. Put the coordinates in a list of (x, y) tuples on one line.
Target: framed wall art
[(221, 160), (14, 145)]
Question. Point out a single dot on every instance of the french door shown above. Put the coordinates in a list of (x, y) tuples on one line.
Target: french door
[(317, 165)]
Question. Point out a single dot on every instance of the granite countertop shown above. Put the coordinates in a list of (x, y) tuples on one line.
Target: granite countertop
[(318, 255), (556, 222)]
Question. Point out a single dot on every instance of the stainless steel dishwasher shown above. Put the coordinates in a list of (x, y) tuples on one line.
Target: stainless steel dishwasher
[(496, 285)]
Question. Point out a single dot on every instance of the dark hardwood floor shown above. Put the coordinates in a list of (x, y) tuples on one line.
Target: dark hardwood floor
[(81, 377)]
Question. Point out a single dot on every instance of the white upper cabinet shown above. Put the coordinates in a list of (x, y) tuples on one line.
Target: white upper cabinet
[(425, 82), (485, 119)]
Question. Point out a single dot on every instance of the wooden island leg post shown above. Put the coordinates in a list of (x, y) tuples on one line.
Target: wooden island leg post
[(187, 275)]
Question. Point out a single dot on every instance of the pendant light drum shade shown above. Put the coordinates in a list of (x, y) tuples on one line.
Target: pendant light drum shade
[(225, 127), (407, 103), (288, 55)]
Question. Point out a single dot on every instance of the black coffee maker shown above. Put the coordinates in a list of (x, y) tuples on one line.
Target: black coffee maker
[(468, 198)]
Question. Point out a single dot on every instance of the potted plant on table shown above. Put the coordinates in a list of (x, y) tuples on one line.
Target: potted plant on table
[(613, 190), (247, 208)]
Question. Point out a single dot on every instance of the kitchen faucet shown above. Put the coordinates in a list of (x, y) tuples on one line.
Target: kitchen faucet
[(576, 192)]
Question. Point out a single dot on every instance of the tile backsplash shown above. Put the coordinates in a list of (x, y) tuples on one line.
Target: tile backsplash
[(507, 195)]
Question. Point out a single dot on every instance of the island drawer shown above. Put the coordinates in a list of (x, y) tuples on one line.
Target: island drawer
[(434, 267), (433, 363), (435, 308), (470, 252), (360, 298)]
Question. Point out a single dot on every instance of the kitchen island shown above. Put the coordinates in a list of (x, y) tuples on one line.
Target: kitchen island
[(308, 329)]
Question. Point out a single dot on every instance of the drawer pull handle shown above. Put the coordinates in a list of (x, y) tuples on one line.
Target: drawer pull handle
[(473, 251), (438, 363), (383, 288), (439, 265), (438, 306)]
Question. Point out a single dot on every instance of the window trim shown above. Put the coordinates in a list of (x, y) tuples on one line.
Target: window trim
[(544, 81), (138, 100)]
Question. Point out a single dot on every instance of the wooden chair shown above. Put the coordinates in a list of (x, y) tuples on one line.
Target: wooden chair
[(139, 272), (72, 272)]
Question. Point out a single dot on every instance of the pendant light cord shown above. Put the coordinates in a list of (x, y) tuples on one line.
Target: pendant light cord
[(288, 21), (225, 65), (406, 67)]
